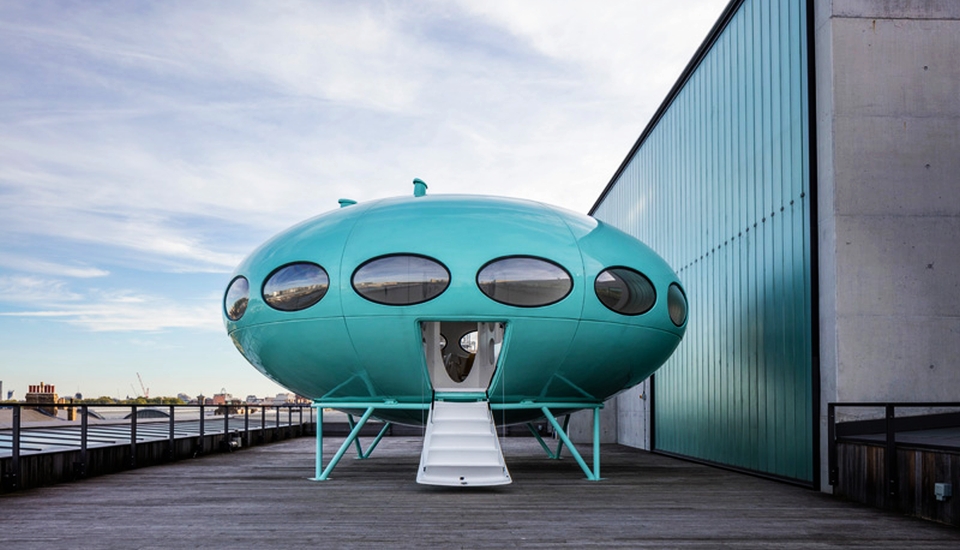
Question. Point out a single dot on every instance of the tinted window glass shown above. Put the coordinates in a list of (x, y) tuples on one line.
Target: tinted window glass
[(524, 281), (401, 280), (235, 301), (677, 305), (468, 342), (625, 291), (295, 286)]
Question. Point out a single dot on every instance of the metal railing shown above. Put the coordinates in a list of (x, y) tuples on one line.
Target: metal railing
[(888, 426), (230, 438)]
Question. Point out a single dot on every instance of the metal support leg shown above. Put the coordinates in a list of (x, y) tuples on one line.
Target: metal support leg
[(573, 450), (376, 441), (346, 445), (540, 440), (319, 456), (360, 453), (356, 441), (566, 422), (596, 443)]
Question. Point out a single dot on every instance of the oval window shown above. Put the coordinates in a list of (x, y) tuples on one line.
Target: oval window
[(295, 286), (469, 342), (236, 298), (625, 291), (677, 304), (401, 279), (524, 281)]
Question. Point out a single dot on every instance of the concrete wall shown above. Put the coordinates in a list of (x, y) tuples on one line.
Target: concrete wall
[(888, 146), (580, 429), (624, 419)]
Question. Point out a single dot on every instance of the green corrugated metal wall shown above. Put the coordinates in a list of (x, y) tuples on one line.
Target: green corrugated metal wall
[(719, 186)]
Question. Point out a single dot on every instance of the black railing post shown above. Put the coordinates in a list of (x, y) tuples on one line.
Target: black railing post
[(246, 426), (276, 427), (832, 442), (80, 468), (225, 442), (263, 425), (133, 436), (289, 421), (13, 478), (172, 446), (301, 420), (890, 452), (200, 444)]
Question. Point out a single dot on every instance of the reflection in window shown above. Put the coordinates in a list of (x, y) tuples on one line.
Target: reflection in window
[(677, 305), (524, 281), (235, 301), (401, 279), (468, 342), (625, 291), (295, 286)]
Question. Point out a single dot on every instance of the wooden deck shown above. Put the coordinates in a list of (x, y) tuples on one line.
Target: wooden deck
[(261, 498)]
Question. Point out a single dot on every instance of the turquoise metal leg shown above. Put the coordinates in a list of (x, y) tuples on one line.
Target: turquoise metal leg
[(318, 467), (360, 453), (346, 445), (356, 441), (596, 444), (383, 432), (573, 450), (566, 422), (540, 440)]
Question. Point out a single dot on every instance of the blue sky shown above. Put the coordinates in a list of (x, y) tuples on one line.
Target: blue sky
[(147, 147)]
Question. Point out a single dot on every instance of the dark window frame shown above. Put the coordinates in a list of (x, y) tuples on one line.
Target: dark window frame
[(656, 295), (263, 287), (353, 277), (226, 294), (526, 257)]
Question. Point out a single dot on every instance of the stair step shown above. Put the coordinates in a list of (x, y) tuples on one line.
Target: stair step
[(458, 441), (459, 476), (463, 457), (460, 446), (462, 428), (447, 415)]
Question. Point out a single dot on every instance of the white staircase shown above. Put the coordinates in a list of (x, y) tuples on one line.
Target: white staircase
[(460, 446)]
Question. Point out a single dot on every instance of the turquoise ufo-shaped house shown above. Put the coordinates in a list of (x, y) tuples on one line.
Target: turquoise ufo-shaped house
[(458, 313)]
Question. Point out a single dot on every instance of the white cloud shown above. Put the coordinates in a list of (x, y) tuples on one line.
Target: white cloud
[(43, 267), (180, 135), (23, 289), (130, 313)]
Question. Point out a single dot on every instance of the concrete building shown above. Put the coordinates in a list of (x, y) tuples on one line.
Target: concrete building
[(801, 177)]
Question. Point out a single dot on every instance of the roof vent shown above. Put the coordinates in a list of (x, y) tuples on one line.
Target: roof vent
[(419, 187), (346, 202)]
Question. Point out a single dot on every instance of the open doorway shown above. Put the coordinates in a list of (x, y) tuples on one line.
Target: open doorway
[(461, 355)]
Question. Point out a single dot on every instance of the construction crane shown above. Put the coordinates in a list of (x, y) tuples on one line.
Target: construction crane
[(146, 390)]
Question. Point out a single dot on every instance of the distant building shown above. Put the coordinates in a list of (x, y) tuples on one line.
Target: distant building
[(253, 399), (284, 398), (43, 394), (185, 398), (222, 398)]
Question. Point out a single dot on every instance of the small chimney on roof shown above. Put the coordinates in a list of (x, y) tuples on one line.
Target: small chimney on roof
[(419, 187)]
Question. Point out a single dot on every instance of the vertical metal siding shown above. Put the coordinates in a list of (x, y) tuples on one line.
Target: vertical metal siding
[(719, 187)]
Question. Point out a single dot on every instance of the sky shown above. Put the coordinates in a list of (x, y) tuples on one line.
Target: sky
[(147, 147)]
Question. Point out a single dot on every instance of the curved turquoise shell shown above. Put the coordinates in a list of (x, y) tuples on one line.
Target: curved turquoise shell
[(346, 348)]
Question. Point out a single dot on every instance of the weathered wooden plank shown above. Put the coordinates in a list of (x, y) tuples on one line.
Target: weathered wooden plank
[(261, 497)]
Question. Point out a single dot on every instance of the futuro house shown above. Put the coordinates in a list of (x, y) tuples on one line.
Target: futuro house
[(458, 313)]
